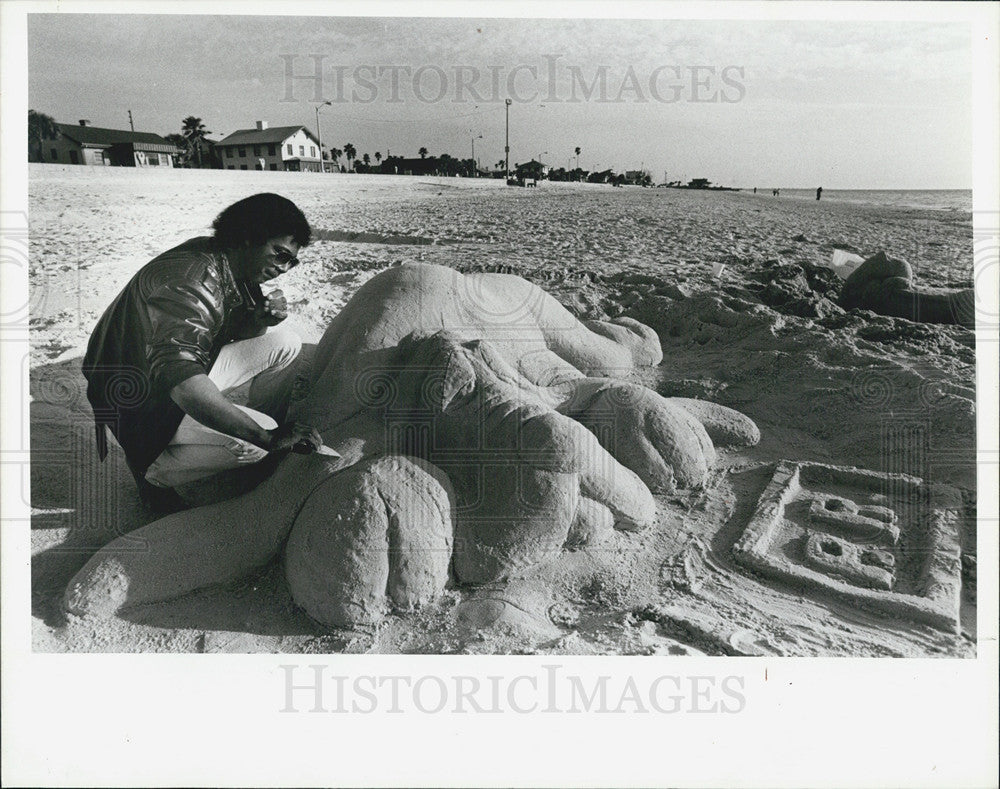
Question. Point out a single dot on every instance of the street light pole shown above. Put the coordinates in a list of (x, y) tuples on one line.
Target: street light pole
[(474, 162), (319, 136), (506, 147)]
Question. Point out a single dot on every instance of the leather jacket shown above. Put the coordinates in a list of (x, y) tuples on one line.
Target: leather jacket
[(168, 324)]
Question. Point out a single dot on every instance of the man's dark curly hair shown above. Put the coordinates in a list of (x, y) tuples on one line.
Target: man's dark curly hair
[(257, 219)]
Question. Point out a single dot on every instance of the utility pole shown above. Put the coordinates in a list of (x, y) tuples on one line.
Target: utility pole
[(319, 137), (130, 124), (506, 147)]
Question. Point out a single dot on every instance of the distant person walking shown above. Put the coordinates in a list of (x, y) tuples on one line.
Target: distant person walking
[(755, 190), (819, 192)]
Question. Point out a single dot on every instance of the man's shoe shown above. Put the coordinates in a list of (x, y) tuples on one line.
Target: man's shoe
[(162, 501)]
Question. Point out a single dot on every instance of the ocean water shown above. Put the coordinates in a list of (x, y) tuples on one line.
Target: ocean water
[(932, 199)]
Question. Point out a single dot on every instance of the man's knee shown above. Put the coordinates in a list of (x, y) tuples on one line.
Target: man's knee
[(284, 345), (197, 451)]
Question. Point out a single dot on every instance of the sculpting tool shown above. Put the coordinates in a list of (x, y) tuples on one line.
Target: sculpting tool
[(302, 448)]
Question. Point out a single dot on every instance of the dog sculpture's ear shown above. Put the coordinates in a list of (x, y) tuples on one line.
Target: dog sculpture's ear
[(459, 379), (436, 371)]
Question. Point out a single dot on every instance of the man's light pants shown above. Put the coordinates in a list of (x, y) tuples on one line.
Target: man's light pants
[(197, 451)]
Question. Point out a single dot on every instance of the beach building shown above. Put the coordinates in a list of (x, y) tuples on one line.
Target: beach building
[(293, 148), (638, 178), (400, 165), (92, 145), (532, 169), (601, 177)]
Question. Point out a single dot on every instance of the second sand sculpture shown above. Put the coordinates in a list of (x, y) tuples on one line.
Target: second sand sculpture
[(482, 430)]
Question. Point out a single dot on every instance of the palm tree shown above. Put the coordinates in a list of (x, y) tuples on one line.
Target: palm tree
[(350, 152), (194, 130), (423, 153), (335, 154), (378, 157), (366, 159), (41, 127)]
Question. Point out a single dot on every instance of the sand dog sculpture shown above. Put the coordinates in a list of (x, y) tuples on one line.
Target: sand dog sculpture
[(885, 285), (482, 430)]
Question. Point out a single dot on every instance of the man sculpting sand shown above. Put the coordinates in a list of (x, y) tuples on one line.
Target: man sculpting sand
[(190, 326)]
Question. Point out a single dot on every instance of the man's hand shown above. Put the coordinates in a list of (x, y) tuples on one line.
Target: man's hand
[(201, 398), (273, 310), (296, 437)]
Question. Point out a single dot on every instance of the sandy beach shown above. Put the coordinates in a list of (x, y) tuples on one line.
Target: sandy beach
[(725, 279)]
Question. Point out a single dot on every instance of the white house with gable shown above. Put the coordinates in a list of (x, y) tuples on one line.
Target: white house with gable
[(280, 148)]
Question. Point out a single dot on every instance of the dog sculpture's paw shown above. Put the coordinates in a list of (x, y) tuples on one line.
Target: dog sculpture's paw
[(375, 537)]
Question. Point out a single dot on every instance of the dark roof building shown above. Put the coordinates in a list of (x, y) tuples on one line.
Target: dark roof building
[(532, 169), (400, 165), (601, 177), (94, 135), (86, 144)]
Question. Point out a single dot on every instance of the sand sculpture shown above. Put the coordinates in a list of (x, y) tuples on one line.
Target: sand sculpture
[(885, 285), (483, 429), (886, 543)]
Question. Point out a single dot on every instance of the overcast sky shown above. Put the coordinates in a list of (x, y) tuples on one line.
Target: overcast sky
[(793, 104)]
